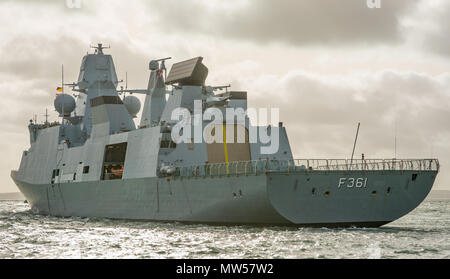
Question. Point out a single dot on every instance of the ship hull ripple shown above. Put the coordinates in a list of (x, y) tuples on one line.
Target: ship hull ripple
[(310, 198)]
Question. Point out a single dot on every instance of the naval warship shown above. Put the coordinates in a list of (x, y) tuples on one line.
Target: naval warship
[(97, 162)]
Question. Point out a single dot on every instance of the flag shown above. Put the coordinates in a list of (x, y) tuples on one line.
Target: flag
[(59, 89)]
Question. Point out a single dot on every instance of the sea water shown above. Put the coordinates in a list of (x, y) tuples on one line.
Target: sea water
[(424, 233)]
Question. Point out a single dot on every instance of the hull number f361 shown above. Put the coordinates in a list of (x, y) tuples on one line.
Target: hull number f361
[(352, 182)]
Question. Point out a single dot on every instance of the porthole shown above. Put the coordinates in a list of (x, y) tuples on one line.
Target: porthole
[(374, 193), (313, 191), (327, 194), (388, 191)]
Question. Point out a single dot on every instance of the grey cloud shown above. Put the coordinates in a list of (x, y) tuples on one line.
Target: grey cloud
[(33, 57), (60, 5), (321, 113), (297, 22), (439, 40)]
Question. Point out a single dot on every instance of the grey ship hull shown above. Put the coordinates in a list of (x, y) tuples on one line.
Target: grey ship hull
[(310, 198)]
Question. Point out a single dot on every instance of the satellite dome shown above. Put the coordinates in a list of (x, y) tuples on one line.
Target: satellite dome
[(132, 104), (64, 101)]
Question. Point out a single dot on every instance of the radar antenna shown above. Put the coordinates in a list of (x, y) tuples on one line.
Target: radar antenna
[(99, 48)]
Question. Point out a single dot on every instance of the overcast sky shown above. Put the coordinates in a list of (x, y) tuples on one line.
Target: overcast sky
[(326, 64)]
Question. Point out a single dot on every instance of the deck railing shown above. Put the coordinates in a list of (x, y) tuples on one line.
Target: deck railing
[(306, 165)]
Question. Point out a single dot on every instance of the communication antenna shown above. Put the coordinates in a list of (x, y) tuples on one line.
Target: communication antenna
[(126, 86), (395, 140), (46, 115), (354, 144), (62, 93)]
